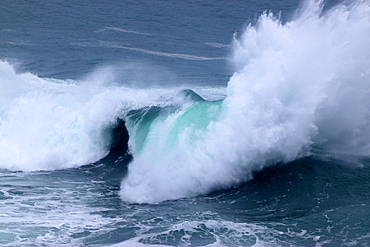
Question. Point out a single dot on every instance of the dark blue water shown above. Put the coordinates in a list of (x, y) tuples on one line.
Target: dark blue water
[(184, 123)]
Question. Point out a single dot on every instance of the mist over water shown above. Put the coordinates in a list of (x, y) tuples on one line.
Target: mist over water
[(297, 85), (311, 73)]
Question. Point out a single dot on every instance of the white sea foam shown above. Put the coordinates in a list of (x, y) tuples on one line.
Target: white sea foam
[(221, 233), (53, 124), (48, 124), (300, 84), (48, 214)]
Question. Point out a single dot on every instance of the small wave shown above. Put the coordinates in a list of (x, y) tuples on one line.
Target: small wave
[(167, 54), (123, 31), (16, 43), (218, 45), (156, 53)]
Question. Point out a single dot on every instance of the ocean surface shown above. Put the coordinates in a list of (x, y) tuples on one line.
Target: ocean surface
[(184, 123)]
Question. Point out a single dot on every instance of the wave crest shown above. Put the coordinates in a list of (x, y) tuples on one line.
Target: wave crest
[(297, 85)]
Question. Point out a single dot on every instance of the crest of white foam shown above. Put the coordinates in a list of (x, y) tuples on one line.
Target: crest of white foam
[(297, 84), (50, 124), (311, 71)]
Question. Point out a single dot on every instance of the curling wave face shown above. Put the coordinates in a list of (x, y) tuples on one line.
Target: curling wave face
[(48, 124), (297, 85)]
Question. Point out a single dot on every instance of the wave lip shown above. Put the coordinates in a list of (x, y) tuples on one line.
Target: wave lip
[(48, 124), (297, 85)]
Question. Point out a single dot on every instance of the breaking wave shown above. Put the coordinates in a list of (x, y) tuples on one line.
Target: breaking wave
[(299, 86)]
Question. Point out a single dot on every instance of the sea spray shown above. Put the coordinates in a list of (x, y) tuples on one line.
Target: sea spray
[(300, 84), (48, 124)]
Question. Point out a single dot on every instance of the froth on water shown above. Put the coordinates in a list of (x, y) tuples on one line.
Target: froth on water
[(297, 85)]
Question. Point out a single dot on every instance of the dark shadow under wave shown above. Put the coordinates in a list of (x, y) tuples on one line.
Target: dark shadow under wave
[(119, 144), (115, 164)]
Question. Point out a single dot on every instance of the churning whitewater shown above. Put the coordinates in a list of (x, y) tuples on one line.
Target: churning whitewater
[(48, 124), (297, 86)]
